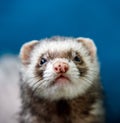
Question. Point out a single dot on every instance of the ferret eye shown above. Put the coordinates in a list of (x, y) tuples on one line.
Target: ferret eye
[(76, 58), (43, 60)]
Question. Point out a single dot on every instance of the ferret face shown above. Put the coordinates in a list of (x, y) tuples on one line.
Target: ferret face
[(61, 68)]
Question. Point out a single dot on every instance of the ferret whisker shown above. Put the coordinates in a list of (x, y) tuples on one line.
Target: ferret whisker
[(88, 81), (93, 70), (88, 76), (34, 77), (31, 79), (35, 88), (37, 82), (40, 84)]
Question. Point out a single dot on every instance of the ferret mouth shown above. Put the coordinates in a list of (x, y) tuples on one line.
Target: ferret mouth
[(61, 79)]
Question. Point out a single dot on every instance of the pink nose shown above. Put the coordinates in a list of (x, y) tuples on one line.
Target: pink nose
[(60, 67)]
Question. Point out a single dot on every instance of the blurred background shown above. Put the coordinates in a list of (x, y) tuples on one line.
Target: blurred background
[(25, 20)]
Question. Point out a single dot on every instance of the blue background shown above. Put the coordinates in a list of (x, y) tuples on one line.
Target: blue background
[(24, 20)]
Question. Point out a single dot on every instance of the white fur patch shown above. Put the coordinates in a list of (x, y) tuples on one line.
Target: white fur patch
[(98, 108)]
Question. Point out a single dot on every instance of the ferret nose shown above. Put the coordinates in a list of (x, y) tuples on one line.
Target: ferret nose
[(60, 67)]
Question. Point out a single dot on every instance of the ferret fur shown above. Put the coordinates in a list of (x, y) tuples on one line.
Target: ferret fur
[(78, 101)]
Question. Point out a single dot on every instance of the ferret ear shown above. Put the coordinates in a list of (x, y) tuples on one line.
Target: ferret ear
[(89, 44), (26, 51)]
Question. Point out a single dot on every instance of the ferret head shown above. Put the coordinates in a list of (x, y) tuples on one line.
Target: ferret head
[(59, 68)]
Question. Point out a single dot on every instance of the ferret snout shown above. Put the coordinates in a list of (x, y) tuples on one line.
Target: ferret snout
[(60, 67)]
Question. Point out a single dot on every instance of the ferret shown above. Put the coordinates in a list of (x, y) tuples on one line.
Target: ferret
[(60, 81)]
